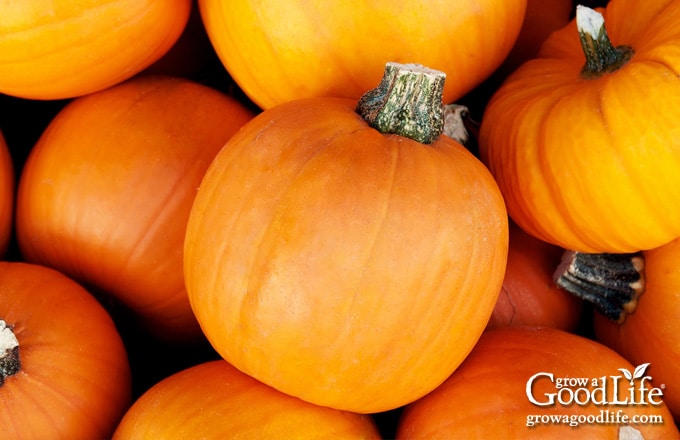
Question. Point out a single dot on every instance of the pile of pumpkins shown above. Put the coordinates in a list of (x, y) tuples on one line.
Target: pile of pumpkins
[(335, 220)]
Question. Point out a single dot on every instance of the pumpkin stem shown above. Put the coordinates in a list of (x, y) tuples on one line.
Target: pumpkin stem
[(611, 282), (459, 126), (454, 123), (601, 56), (9, 352), (408, 102)]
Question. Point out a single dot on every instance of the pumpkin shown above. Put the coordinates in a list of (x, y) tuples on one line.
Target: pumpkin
[(529, 295), (215, 400), (67, 48), (335, 258), (583, 140), (64, 371), (6, 195), (652, 332), (106, 191), (281, 51), (541, 19), (505, 387)]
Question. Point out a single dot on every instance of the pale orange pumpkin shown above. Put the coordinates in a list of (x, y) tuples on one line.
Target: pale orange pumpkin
[(347, 266), (279, 51), (66, 48), (64, 371), (585, 149), (214, 400), (105, 193), (6, 196)]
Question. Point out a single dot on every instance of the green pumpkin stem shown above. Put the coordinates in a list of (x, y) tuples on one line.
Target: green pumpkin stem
[(601, 56), (613, 283), (407, 102), (9, 352)]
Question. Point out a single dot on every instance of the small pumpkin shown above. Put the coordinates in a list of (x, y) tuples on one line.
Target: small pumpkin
[(68, 48), (585, 147), (505, 386), (105, 193), (652, 332), (350, 266), (215, 400), (529, 295), (64, 371), (6, 195), (281, 51)]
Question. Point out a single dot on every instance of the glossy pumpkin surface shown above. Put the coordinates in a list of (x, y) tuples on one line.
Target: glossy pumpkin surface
[(74, 381), (652, 333), (66, 48), (279, 51), (215, 400), (105, 193), (488, 396), (529, 295), (332, 262), (591, 164), (6, 196)]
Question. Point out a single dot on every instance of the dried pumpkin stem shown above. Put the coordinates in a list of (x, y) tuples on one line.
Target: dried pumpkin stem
[(459, 126), (601, 56), (407, 102), (9, 352), (613, 283)]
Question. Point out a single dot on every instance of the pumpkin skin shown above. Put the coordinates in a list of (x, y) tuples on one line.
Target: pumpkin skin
[(215, 400), (55, 49), (74, 381), (333, 262), (6, 195), (612, 184), (486, 396), (105, 193), (277, 52), (652, 333), (529, 295), (541, 19)]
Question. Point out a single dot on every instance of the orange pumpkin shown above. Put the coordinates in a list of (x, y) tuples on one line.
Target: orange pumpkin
[(281, 51), (541, 19), (64, 371), (215, 400), (652, 332), (529, 295), (105, 193), (6, 195), (586, 154), (342, 265), (505, 387), (67, 48)]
